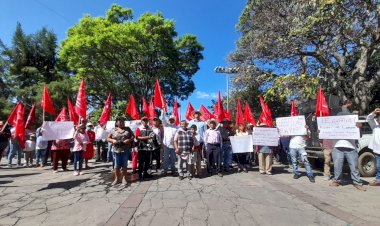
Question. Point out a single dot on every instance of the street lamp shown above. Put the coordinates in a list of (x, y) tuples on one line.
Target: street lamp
[(227, 71)]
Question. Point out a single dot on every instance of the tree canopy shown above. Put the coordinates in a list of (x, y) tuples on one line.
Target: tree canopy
[(336, 42), (125, 56)]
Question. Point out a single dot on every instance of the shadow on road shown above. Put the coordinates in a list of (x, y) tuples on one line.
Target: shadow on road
[(64, 184), (18, 175)]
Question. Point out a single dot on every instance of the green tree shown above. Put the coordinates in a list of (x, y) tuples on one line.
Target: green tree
[(115, 53), (332, 40)]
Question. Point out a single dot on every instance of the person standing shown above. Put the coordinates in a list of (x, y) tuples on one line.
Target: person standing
[(213, 142), (122, 139), (184, 144), (374, 144), (100, 141), (168, 141), (41, 146), (14, 148), (80, 142), (144, 135), (242, 157), (328, 146), (346, 149), (89, 153), (201, 127), (226, 154), (197, 153), (265, 157), (30, 146), (4, 138), (297, 146), (157, 150)]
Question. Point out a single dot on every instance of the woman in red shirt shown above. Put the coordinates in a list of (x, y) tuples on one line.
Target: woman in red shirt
[(89, 153)]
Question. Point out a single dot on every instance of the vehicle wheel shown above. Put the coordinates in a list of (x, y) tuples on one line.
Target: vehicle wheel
[(367, 164)]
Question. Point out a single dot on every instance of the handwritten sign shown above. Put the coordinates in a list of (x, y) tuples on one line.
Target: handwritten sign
[(291, 126), (241, 144), (265, 136), (338, 127), (57, 130)]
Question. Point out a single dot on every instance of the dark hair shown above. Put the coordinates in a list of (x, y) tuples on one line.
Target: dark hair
[(184, 121), (193, 126), (348, 101), (119, 119)]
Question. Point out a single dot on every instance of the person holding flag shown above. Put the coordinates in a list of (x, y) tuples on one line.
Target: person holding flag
[(170, 130), (201, 127)]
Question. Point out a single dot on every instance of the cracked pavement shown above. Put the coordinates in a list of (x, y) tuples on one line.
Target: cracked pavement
[(35, 196)]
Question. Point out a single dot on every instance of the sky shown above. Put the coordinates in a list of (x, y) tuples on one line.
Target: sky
[(212, 21)]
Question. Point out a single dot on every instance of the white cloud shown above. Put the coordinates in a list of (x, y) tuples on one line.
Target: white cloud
[(205, 95)]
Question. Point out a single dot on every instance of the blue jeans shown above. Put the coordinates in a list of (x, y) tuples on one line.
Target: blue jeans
[(78, 157), (121, 159), (170, 158), (294, 153), (40, 155), (226, 155), (351, 155), (109, 152), (377, 167), (99, 147), (13, 150)]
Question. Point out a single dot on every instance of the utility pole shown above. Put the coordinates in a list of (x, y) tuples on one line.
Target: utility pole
[(227, 71)]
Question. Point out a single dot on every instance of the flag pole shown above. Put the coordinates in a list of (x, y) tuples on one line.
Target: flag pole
[(5, 125)]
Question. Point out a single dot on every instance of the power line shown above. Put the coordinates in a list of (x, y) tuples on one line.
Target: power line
[(53, 11)]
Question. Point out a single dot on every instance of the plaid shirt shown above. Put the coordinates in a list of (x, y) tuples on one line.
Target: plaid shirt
[(185, 140)]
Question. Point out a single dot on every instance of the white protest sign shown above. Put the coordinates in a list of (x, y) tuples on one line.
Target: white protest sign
[(265, 136), (338, 127), (241, 144), (291, 126), (57, 130)]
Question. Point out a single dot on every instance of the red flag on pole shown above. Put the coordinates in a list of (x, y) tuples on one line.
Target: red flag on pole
[(248, 114), (46, 103), (159, 100), (321, 108), (189, 112), (106, 113), (145, 108), (239, 114), (132, 108), (31, 116), (73, 116), (62, 117), (81, 105), (293, 111), (152, 110), (20, 126), (227, 115), (266, 115), (206, 114), (12, 119), (219, 115), (175, 113)]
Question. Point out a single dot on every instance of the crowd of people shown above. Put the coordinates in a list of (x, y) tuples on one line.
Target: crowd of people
[(183, 149)]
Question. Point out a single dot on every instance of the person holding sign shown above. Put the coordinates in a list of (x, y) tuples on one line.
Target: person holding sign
[(346, 148), (213, 141), (242, 157), (80, 142), (374, 121), (265, 156), (297, 146)]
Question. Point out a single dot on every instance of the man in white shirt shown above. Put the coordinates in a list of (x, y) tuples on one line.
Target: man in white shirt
[(374, 144), (213, 142), (169, 150), (100, 140)]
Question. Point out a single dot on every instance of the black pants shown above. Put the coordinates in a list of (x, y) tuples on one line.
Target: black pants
[(242, 159), (100, 147), (3, 145), (157, 157), (213, 157), (144, 160)]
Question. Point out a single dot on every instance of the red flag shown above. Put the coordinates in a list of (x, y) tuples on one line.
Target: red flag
[(266, 115), (12, 119), (159, 100), (175, 113), (31, 116), (219, 115), (321, 108), (206, 115), (73, 116), (248, 114), (189, 112), (46, 103), (145, 107), (227, 115), (152, 111), (239, 114), (132, 108), (20, 126), (62, 116), (293, 111), (80, 105), (106, 113)]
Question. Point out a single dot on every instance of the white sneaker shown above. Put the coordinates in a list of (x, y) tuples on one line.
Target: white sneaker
[(80, 173), (55, 171), (75, 173), (327, 178)]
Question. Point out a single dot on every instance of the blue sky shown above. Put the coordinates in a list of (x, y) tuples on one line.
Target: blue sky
[(213, 21)]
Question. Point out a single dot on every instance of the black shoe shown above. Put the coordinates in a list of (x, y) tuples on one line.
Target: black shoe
[(311, 179), (147, 175), (296, 176), (190, 177), (180, 177), (164, 174)]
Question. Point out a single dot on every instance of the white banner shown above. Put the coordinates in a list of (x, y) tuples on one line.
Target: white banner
[(291, 126), (265, 136), (338, 127), (57, 130), (241, 144)]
